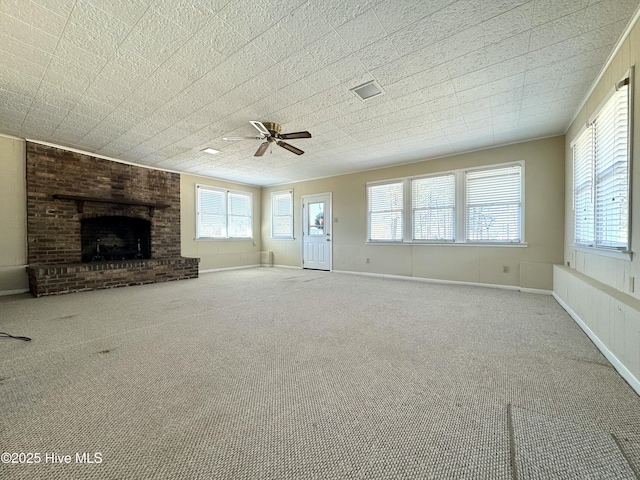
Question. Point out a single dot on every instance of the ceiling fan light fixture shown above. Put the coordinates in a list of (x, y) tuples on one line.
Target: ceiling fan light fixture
[(263, 129), (368, 90), (211, 151)]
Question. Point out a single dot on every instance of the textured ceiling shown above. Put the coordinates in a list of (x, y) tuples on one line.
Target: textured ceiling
[(155, 82)]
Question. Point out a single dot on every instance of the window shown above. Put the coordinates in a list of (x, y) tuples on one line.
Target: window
[(385, 205), (464, 206), (493, 210), (433, 208), (223, 213), (282, 214), (601, 175)]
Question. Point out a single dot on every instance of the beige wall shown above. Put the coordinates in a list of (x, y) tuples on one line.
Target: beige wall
[(529, 267), (13, 216), (215, 254), (614, 319)]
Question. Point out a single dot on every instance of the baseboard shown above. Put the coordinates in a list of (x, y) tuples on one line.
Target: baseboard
[(617, 364), (13, 292), (447, 282), (401, 277), (539, 291), (241, 267), (257, 265)]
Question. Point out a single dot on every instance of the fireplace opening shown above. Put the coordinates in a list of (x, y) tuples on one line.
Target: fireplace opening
[(115, 238)]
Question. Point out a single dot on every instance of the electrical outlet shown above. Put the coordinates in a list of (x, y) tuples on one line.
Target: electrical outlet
[(335, 220), (505, 269), (367, 261)]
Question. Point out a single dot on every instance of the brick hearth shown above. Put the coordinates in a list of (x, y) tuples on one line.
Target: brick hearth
[(78, 277), (57, 181)]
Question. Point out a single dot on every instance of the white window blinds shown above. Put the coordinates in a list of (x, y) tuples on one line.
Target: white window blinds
[(212, 215), (222, 213), (385, 205), (282, 214), (601, 175), (493, 204), (611, 171), (583, 188), (239, 217), (433, 203), (459, 206)]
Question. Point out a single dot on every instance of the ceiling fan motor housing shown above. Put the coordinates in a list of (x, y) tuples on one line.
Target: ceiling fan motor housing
[(274, 128)]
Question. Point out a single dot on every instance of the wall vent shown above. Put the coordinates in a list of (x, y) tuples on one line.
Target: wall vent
[(266, 259)]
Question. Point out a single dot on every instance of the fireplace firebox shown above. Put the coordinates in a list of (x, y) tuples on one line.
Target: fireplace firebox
[(115, 238)]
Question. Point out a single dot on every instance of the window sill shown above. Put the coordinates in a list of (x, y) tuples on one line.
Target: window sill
[(230, 239), (452, 244), (604, 252)]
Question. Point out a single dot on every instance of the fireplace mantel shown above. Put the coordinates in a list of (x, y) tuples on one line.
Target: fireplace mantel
[(80, 199)]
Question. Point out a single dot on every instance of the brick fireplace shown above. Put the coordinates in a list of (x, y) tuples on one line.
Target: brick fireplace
[(93, 223)]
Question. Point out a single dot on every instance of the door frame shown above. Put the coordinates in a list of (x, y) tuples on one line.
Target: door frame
[(329, 230)]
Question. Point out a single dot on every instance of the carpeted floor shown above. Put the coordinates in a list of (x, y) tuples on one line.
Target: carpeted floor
[(291, 374)]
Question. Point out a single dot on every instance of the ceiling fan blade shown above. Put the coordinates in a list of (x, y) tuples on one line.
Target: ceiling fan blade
[(261, 149), (260, 127), (291, 148), (291, 136), (241, 138)]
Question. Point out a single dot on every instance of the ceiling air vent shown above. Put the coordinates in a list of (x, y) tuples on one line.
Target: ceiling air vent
[(368, 90), (212, 151)]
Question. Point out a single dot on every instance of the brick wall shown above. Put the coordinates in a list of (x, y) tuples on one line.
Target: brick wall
[(79, 277), (54, 225)]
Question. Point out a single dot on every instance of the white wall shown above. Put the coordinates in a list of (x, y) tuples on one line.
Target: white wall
[(609, 317), (13, 216), (603, 292)]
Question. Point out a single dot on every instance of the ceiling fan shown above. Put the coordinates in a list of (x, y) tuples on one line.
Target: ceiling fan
[(270, 133)]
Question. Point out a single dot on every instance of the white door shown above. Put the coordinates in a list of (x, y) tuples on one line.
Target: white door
[(316, 231)]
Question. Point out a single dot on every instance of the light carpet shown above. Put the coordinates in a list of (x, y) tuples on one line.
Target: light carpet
[(271, 373)]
